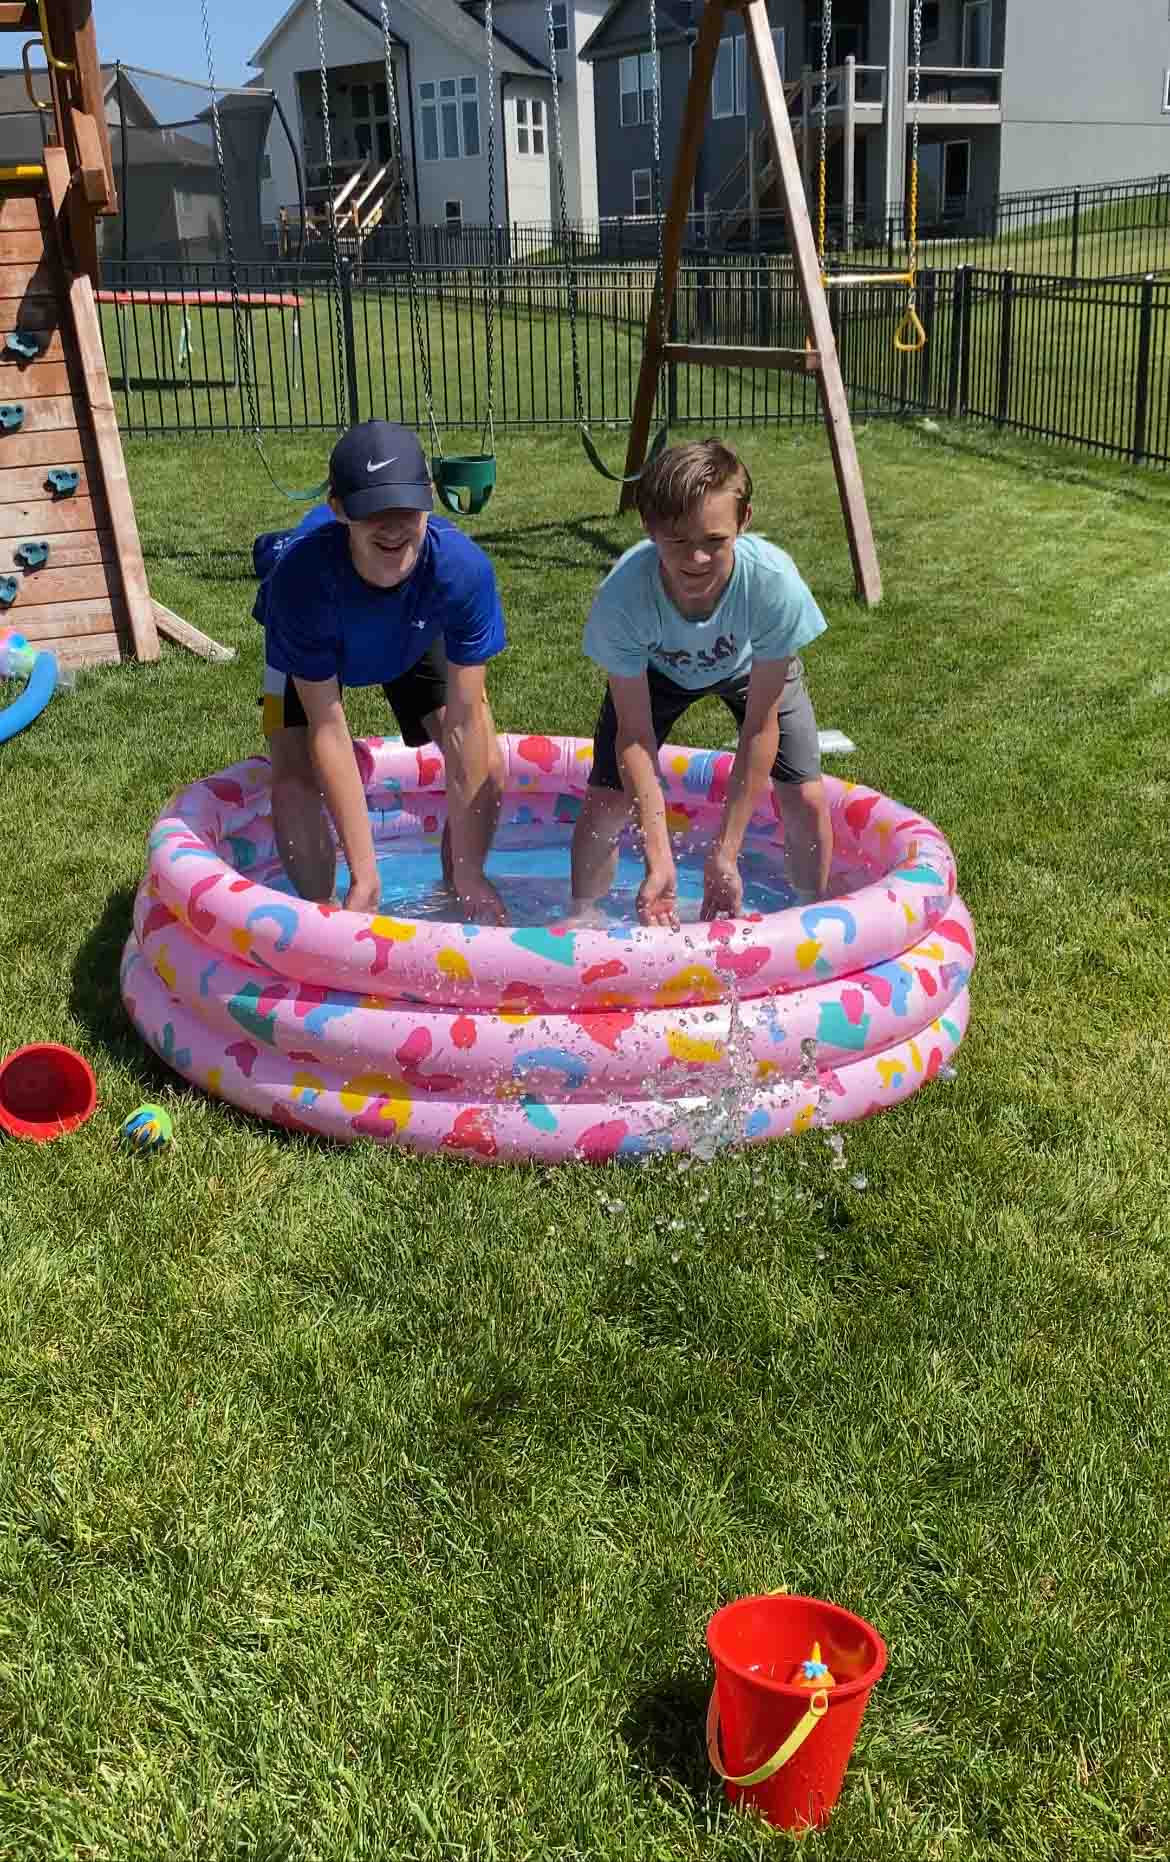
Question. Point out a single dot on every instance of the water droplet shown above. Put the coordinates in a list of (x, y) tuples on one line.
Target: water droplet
[(947, 1072), (821, 1255), (674, 1259), (676, 1225), (859, 1182), (683, 1165), (613, 1208)]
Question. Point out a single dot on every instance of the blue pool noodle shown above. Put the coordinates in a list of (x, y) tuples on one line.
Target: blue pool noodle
[(39, 688)]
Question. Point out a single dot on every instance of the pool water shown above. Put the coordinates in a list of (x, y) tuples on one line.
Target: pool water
[(533, 881)]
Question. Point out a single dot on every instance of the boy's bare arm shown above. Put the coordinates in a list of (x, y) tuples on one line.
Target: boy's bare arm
[(331, 749)]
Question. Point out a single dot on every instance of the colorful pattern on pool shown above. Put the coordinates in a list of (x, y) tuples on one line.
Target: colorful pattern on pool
[(532, 1040)]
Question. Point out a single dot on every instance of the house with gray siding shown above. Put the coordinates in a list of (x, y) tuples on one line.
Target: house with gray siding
[(1015, 95)]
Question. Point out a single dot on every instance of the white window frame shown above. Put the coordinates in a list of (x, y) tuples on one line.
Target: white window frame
[(432, 103), (970, 9), (647, 194), (624, 91), (531, 127), (1166, 91), (646, 85), (562, 26), (642, 92), (741, 69), (779, 46), (955, 142)]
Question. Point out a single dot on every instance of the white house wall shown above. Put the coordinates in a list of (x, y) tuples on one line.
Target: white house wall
[(348, 41)]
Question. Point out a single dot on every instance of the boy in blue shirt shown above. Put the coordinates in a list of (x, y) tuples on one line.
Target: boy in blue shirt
[(701, 608), (374, 590)]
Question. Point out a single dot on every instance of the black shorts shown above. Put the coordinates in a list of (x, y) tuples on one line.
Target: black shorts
[(418, 691), (798, 758)]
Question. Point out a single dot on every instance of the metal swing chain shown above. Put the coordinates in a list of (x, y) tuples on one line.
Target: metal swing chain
[(656, 127), (822, 176), (578, 397), (489, 429), (334, 241), (915, 94), (233, 269), (420, 343)]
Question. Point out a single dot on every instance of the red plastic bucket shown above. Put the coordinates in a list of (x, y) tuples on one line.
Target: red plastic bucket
[(45, 1090), (783, 1750)]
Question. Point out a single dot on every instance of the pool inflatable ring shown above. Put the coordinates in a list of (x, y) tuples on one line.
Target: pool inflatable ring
[(534, 1040)]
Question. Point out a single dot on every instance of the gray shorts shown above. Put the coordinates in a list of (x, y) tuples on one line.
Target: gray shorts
[(798, 757)]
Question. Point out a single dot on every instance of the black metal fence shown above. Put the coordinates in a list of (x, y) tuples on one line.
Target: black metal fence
[(1099, 229), (1086, 363)]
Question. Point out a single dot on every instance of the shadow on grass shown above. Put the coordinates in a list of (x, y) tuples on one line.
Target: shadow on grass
[(602, 546), (663, 1733)]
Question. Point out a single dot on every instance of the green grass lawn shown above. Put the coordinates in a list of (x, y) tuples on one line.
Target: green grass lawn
[(355, 1506)]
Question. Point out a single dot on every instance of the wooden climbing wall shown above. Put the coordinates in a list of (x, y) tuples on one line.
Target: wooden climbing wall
[(89, 601)]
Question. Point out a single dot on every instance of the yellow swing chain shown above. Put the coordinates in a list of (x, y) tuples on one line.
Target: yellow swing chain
[(910, 336)]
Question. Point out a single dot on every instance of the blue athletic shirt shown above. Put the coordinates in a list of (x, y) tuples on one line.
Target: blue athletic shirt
[(322, 621)]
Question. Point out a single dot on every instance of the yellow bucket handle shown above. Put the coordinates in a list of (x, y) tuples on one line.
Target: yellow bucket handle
[(910, 335), (818, 1706)]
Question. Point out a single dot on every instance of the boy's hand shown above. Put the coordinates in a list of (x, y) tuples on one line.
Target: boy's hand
[(479, 901), (365, 894), (722, 888), (658, 897)]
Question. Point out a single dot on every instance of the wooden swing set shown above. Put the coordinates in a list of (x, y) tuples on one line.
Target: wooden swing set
[(818, 356)]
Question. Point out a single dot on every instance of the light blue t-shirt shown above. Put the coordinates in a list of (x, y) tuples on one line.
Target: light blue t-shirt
[(765, 612)]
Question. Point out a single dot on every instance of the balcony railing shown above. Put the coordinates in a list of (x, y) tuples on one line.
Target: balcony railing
[(958, 86)]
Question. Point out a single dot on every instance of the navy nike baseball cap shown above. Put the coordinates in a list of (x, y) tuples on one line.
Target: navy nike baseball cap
[(378, 466)]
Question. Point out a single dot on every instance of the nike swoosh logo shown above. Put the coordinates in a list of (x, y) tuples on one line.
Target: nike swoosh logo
[(375, 465)]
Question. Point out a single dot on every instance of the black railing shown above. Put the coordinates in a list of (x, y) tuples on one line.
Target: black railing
[(1083, 362)]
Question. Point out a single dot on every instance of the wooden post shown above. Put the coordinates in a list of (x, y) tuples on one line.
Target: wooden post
[(867, 575), (820, 355), (849, 151), (686, 161)]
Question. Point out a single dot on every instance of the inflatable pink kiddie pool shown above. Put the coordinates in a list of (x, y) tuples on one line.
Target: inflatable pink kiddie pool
[(535, 1040)]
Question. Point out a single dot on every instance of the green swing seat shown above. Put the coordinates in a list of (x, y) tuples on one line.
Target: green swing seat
[(464, 481)]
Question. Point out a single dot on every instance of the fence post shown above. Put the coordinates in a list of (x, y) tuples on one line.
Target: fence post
[(672, 367), (351, 380), (1141, 395), (1076, 232), (1007, 293), (958, 340), (929, 302)]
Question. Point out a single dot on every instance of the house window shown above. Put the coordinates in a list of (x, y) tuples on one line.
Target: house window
[(1166, 90), (977, 33), (930, 23), (453, 214), (636, 84), (723, 85), (778, 48), (741, 75), (956, 177), (530, 126), (370, 108), (449, 111), (560, 17), (643, 194)]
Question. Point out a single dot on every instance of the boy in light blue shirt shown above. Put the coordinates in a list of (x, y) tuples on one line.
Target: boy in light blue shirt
[(701, 608)]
